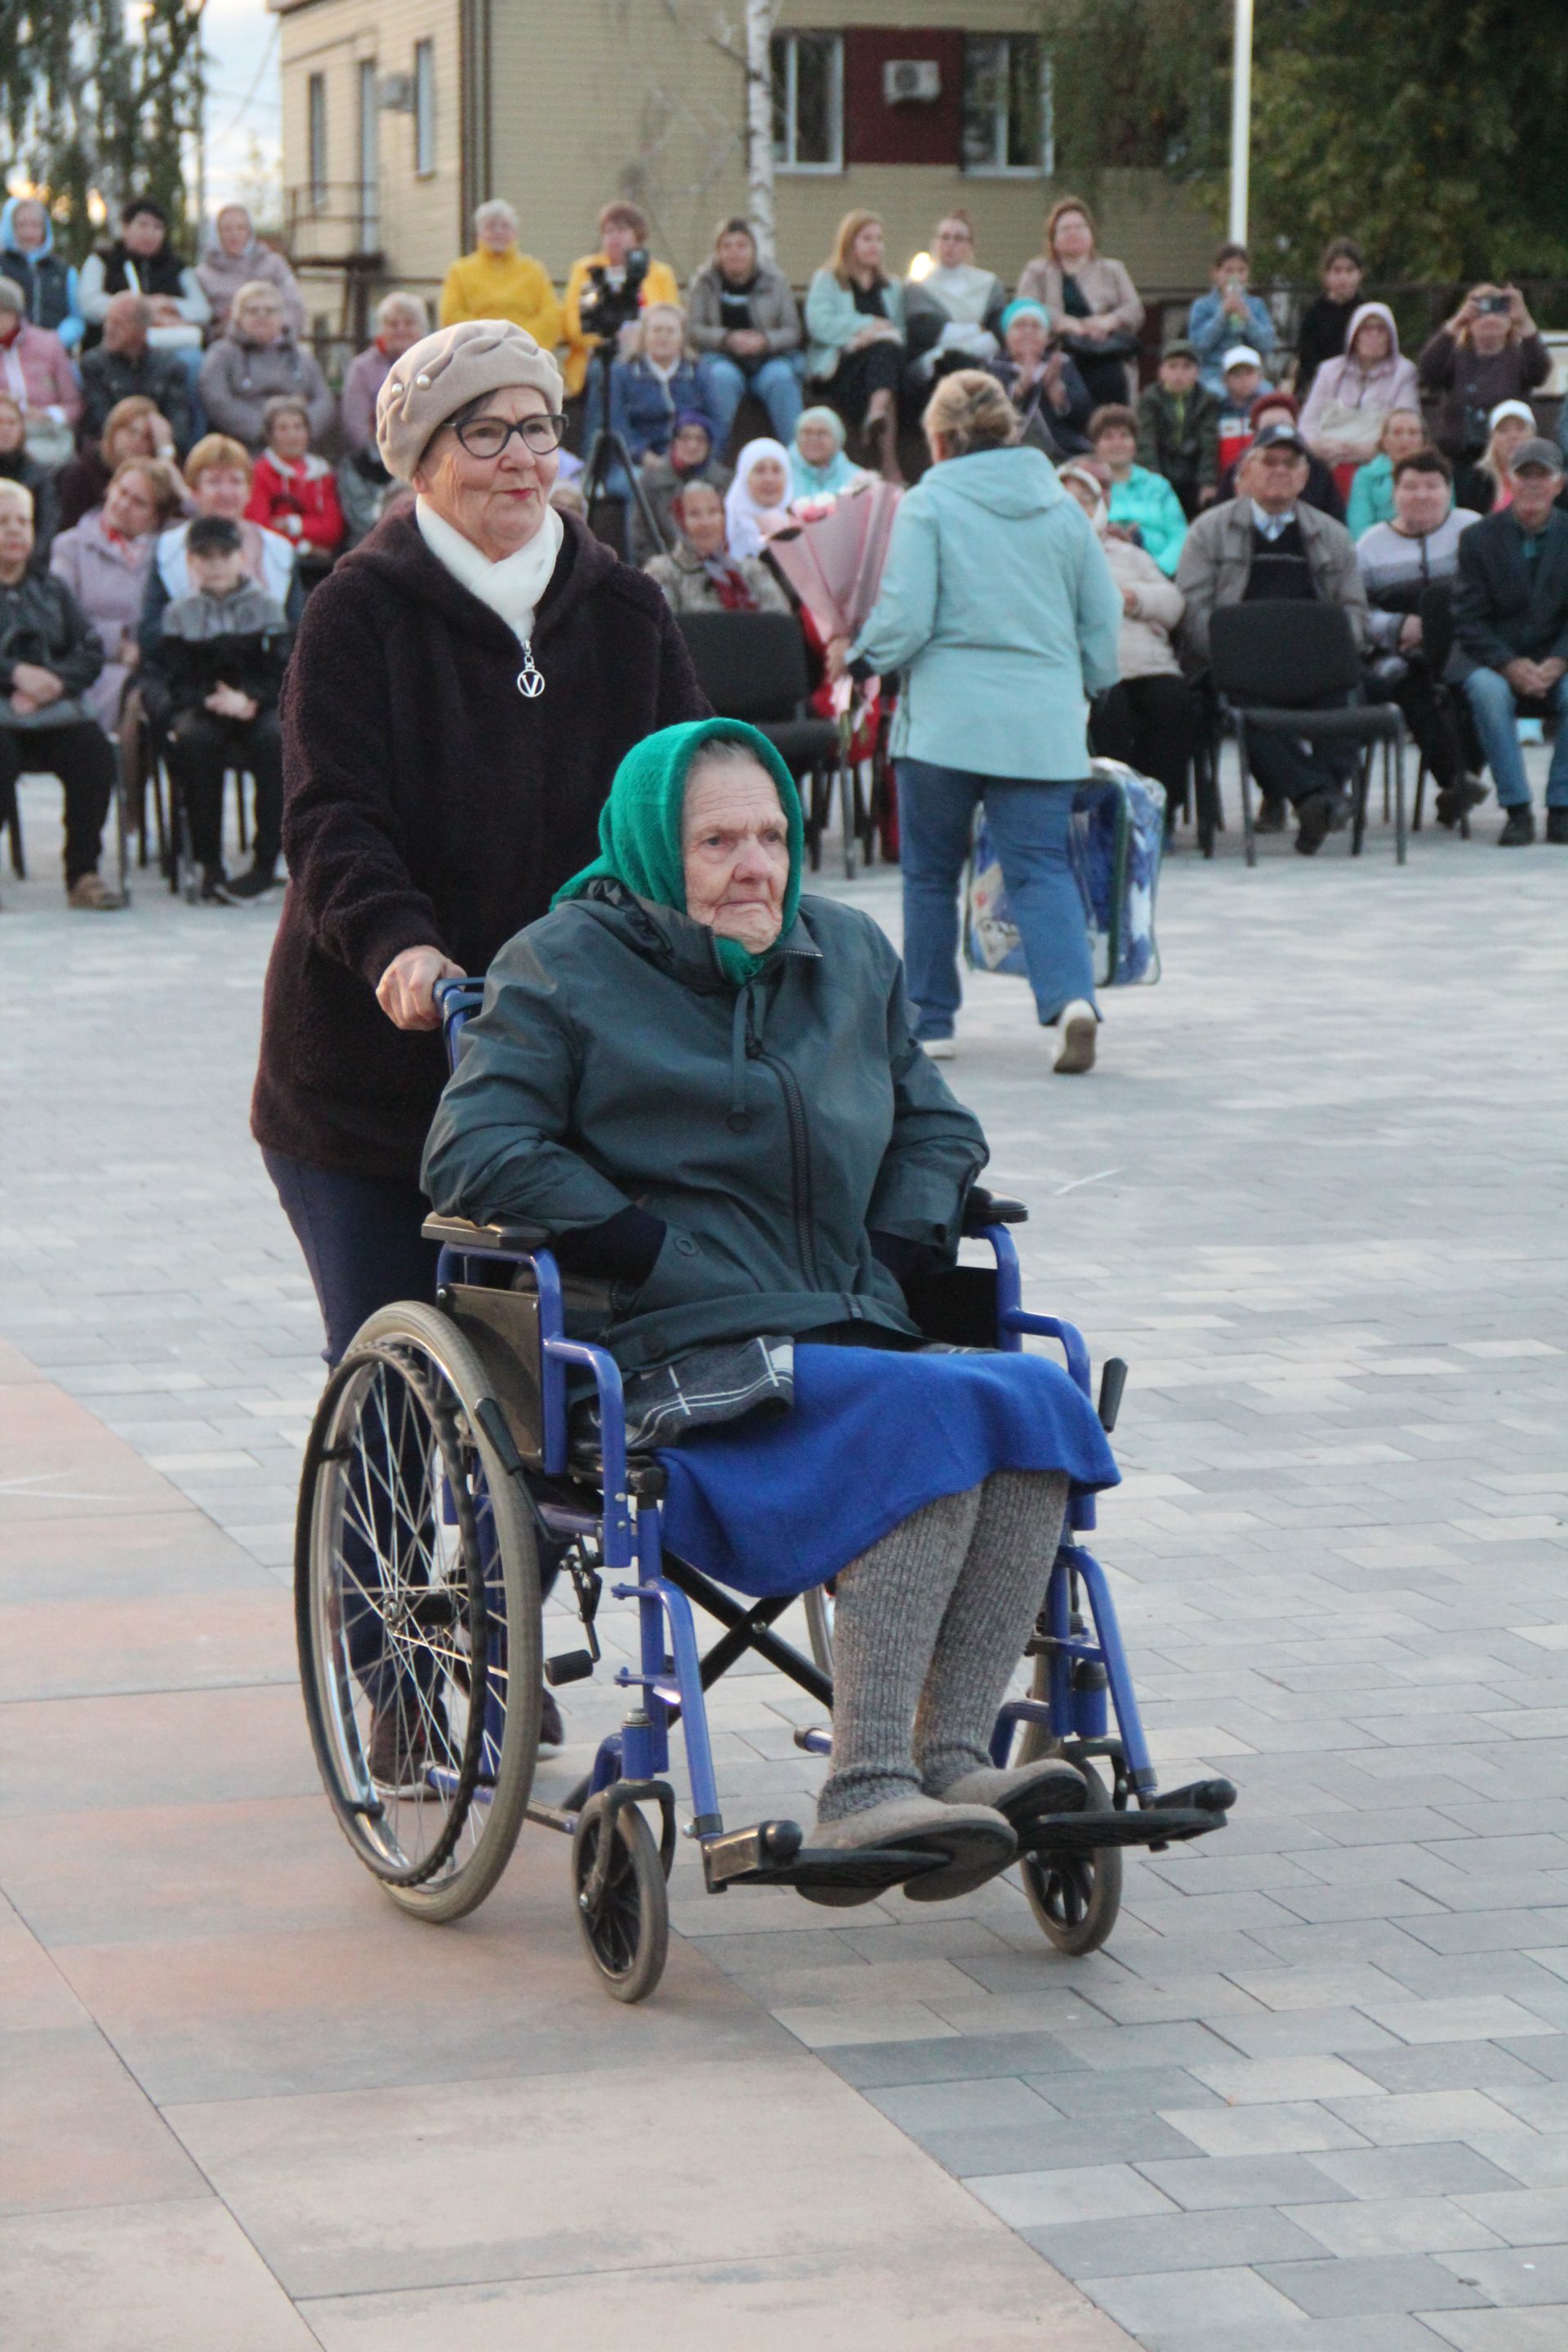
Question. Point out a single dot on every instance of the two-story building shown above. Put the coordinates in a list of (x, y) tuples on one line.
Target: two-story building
[(399, 116)]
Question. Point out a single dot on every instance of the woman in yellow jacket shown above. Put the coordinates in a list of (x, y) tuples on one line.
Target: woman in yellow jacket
[(497, 281), (622, 229)]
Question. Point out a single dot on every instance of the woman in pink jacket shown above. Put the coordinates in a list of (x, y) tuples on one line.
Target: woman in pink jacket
[(34, 370), (1350, 398)]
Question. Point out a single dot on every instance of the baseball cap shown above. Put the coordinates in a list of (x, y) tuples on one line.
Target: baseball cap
[(1178, 348), (1281, 437), (1240, 355), (1544, 454)]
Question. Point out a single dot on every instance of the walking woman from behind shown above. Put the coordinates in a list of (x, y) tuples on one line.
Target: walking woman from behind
[(998, 606)]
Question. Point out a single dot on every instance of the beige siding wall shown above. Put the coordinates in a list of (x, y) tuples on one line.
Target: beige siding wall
[(593, 99), (419, 213)]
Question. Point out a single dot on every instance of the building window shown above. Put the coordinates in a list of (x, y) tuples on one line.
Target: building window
[(809, 101), (1006, 105), (369, 156), (423, 108), (316, 114)]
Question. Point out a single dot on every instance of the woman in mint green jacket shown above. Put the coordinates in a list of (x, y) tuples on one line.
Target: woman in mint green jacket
[(855, 326), (997, 605), (1370, 498), (1142, 501)]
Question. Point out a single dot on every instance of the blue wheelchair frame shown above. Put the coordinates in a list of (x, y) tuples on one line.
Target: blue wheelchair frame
[(1089, 1677)]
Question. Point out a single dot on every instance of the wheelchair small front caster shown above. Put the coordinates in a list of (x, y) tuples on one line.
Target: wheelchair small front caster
[(1077, 1896), (623, 1910)]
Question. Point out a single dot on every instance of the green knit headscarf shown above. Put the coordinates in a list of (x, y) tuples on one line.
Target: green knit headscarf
[(639, 827)]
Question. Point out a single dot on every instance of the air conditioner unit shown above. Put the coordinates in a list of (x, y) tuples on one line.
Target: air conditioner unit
[(911, 82), (395, 93)]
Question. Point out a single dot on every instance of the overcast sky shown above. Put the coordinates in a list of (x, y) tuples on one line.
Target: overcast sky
[(243, 104)]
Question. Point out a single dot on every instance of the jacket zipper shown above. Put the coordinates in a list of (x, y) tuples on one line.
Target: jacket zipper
[(799, 1158)]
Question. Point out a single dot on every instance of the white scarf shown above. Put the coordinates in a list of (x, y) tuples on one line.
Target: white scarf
[(11, 362), (511, 587)]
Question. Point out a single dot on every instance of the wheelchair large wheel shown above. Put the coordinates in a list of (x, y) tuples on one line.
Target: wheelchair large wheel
[(417, 1616), (624, 1920)]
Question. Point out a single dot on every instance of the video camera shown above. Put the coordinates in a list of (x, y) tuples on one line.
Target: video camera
[(604, 308)]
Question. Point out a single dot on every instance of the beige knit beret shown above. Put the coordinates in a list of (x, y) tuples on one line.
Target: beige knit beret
[(437, 376)]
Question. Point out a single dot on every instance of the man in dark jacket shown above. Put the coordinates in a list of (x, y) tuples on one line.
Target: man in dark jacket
[(1178, 429), (124, 364), (1511, 637), (49, 656)]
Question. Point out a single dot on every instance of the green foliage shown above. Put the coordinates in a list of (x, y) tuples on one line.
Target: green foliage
[(1437, 135), (90, 106)]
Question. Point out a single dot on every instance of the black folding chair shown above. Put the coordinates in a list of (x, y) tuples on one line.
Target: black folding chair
[(752, 666), (1288, 669)]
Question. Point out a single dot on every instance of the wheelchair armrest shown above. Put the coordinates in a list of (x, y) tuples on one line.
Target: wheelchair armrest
[(460, 1234), (983, 1209)]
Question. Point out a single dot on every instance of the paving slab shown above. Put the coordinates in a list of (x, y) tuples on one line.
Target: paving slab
[(1314, 1193)]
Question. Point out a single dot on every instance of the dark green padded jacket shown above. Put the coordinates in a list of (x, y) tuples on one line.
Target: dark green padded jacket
[(771, 1129)]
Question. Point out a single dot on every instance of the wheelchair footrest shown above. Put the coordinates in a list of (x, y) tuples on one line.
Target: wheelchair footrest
[(772, 1855), (1162, 1825)]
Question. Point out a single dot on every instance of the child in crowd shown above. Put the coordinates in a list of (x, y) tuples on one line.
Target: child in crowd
[(1178, 428), (1243, 381), (218, 667), (294, 492)]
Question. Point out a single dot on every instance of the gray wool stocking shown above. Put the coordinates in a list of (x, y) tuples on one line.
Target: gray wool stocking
[(990, 1617), (892, 1603)]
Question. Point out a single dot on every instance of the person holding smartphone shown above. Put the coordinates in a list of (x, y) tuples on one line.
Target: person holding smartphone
[(1489, 351)]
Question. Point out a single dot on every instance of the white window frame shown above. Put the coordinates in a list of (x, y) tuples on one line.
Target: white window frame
[(316, 140), (367, 97), (784, 158), (423, 110), (1044, 167)]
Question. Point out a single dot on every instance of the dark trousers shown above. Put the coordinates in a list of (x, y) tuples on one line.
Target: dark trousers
[(1148, 722), (859, 374), (1437, 724), (80, 754), (202, 748), (361, 1241), (1287, 768)]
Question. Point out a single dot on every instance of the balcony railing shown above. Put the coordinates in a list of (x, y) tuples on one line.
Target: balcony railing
[(333, 225)]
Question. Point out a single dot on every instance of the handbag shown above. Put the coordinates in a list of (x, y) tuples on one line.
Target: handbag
[(1114, 844), (1122, 346)]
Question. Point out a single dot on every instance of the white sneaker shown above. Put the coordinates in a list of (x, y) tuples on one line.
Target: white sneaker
[(939, 1049), (1074, 1041)]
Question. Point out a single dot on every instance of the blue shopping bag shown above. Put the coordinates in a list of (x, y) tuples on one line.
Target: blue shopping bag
[(1117, 834)]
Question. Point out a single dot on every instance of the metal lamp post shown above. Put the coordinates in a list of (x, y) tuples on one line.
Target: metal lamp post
[(1241, 120)]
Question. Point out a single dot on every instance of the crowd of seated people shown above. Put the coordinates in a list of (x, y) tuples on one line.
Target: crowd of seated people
[(143, 391)]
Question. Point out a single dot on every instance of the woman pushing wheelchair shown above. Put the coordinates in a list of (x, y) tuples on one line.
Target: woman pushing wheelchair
[(705, 1090)]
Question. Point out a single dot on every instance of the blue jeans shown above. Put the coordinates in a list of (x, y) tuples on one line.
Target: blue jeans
[(1492, 706), (726, 382), (1029, 825), (361, 1241)]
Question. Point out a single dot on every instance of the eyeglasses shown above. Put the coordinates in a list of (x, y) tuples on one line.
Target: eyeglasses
[(487, 436)]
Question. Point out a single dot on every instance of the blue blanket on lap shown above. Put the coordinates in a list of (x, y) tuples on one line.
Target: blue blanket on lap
[(779, 1505)]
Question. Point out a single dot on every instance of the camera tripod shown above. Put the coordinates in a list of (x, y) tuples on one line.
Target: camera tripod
[(608, 449)]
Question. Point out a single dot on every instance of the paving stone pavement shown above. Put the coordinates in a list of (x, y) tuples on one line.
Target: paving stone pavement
[(1315, 2092)]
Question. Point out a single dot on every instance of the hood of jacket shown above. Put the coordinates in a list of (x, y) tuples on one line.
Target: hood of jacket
[(396, 552), (1359, 317), (199, 617), (8, 221), (671, 940), (216, 257), (1012, 482)]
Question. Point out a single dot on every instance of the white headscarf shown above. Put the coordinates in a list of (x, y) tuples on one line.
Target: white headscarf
[(1101, 514), (741, 509)]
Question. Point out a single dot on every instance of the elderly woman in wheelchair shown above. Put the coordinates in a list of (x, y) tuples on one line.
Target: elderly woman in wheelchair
[(691, 1133)]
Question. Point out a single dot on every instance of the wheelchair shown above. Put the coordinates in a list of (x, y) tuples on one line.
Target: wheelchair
[(443, 1494)]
